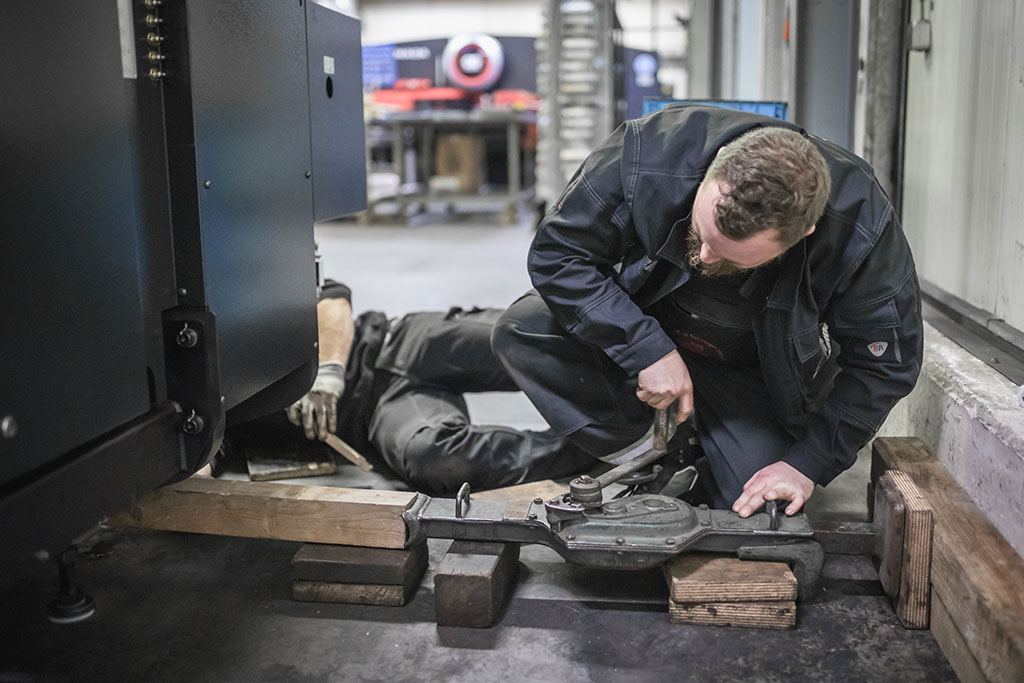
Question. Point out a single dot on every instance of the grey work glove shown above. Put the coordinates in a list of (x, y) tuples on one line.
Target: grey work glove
[(317, 411)]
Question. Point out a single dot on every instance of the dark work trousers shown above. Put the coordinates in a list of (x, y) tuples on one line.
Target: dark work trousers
[(421, 427), (591, 401)]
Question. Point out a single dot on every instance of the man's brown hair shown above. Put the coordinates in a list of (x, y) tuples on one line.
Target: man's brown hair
[(773, 178)]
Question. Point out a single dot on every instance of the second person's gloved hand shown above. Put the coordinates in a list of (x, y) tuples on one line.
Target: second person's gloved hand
[(317, 411)]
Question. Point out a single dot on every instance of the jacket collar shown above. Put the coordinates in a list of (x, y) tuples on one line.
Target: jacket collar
[(673, 249), (788, 274)]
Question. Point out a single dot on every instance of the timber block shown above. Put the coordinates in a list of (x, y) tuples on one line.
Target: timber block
[(473, 582), (354, 575), (705, 577), (718, 590), (353, 593), (751, 614), (354, 564), (889, 514)]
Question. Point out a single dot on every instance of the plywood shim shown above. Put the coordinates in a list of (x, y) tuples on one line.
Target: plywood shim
[(915, 576), (758, 614), (705, 578)]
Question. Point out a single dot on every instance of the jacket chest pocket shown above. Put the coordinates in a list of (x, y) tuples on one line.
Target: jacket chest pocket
[(635, 272), (807, 355)]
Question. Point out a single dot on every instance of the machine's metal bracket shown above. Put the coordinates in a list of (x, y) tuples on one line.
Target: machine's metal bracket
[(193, 372)]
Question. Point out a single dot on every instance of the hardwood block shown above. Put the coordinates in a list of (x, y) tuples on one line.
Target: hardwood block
[(777, 614), (473, 582), (314, 514), (353, 564), (709, 578), (352, 593), (975, 572)]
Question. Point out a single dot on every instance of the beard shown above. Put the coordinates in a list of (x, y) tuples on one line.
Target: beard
[(716, 269)]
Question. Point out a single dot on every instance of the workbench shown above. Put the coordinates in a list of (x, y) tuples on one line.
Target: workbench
[(417, 131)]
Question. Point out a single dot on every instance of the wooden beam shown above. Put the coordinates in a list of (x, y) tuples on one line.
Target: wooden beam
[(314, 514), (976, 574), (538, 489), (953, 644)]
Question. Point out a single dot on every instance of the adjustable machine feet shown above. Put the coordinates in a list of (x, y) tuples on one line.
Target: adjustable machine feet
[(71, 604)]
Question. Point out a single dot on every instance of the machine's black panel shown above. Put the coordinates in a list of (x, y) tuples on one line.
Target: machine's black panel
[(72, 363), (250, 110), (335, 104), (38, 520), (156, 246)]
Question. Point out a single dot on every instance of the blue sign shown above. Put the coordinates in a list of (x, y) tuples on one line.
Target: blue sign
[(380, 70)]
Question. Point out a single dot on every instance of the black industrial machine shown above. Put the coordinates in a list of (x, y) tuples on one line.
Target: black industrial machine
[(163, 162)]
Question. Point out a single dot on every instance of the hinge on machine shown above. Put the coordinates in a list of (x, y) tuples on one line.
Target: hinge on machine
[(155, 39)]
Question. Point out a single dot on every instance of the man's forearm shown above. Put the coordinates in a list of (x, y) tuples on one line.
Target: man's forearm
[(336, 330)]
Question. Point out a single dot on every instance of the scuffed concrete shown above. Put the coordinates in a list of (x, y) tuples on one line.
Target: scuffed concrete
[(969, 415)]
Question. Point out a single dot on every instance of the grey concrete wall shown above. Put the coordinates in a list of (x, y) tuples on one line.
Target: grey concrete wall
[(969, 416)]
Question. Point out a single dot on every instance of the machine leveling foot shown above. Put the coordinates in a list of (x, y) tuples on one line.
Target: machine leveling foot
[(71, 604)]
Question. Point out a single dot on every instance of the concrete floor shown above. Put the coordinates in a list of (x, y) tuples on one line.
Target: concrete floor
[(179, 607), (174, 607)]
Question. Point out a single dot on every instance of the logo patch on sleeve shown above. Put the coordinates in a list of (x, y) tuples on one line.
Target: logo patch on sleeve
[(878, 348)]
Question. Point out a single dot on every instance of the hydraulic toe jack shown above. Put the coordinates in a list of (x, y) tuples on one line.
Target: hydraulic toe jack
[(631, 532)]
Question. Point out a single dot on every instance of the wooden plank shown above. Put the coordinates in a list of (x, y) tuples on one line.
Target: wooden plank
[(351, 593), (953, 644), (314, 514), (538, 489), (307, 462), (975, 572), (473, 582), (708, 578), (754, 614), (890, 515), (353, 564), (347, 452), (915, 577)]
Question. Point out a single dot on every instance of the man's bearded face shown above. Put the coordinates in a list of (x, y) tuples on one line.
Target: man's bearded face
[(716, 269)]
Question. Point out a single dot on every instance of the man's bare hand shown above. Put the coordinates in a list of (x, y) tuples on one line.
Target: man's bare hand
[(778, 481), (665, 381)]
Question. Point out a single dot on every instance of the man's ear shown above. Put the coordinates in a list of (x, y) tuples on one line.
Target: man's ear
[(809, 231)]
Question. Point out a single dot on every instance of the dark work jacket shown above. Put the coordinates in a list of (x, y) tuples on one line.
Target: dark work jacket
[(628, 208)]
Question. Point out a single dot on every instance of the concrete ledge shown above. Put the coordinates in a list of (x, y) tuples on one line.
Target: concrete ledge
[(968, 415)]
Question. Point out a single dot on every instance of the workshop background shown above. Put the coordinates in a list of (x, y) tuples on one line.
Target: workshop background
[(463, 119)]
